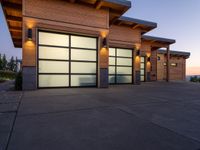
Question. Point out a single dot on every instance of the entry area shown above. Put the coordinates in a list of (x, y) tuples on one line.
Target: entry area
[(120, 66), (66, 60)]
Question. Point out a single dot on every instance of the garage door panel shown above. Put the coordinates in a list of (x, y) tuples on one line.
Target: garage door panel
[(53, 67), (85, 55), (124, 70), (53, 39), (83, 80), (111, 70), (124, 61), (53, 53), (83, 67), (111, 79), (53, 80), (124, 79), (111, 51), (83, 42), (124, 52), (111, 61)]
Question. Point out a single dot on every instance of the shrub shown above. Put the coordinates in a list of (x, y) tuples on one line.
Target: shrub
[(18, 81), (194, 79), (7, 75)]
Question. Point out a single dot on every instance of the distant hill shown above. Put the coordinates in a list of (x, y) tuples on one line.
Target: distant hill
[(188, 77)]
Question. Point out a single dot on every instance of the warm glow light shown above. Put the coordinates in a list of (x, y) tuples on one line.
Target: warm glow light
[(104, 51), (137, 59), (104, 34), (29, 44), (148, 54), (30, 24)]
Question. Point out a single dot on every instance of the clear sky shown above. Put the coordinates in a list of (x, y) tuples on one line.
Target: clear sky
[(177, 19)]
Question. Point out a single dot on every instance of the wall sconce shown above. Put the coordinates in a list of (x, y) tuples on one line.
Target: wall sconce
[(138, 52), (104, 43), (148, 59), (29, 34)]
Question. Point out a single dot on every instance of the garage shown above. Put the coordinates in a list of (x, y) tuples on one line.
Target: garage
[(120, 66), (66, 60)]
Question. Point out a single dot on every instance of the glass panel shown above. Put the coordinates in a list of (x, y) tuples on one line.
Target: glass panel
[(53, 80), (83, 42), (142, 72), (142, 66), (78, 54), (124, 52), (111, 79), (124, 70), (111, 51), (83, 80), (53, 53), (124, 79), (124, 61), (53, 39), (53, 67), (141, 78), (111, 61), (142, 59), (83, 67), (111, 70)]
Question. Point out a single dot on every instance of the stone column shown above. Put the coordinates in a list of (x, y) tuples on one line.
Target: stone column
[(168, 65)]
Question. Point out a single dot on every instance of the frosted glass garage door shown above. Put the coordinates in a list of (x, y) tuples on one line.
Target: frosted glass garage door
[(66, 60), (120, 66)]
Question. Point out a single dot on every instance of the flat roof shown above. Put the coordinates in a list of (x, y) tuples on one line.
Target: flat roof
[(158, 39), (136, 23), (174, 52)]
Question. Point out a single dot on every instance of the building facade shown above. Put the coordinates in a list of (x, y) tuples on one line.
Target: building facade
[(87, 43)]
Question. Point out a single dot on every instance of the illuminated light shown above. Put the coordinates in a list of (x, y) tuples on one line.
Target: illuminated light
[(104, 52), (148, 54), (137, 59), (29, 44), (104, 34)]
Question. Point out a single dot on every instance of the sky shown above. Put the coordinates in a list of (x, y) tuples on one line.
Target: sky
[(176, 19)]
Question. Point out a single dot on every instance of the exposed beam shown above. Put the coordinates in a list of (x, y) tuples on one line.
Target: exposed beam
[(72, 1), (14, 6), (13, 18), (98, 4), (135, 26)]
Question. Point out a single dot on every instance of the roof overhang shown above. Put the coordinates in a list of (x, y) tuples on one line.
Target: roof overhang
[(13, 13), (145, 26), (116, 7), (158, 39), (175, 53)]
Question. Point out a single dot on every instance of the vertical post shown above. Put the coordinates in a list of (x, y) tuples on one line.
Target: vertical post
[(168, 65)]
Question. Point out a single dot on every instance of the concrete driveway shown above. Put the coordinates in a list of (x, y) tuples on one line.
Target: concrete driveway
[(151, 116)]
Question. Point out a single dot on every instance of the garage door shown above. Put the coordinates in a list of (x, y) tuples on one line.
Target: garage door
[(66, 60), (120, 66)]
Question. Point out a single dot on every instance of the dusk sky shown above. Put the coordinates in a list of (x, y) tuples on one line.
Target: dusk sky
[(177, 19)]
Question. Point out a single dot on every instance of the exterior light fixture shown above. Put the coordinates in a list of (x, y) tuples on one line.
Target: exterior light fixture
[(29, 34), (138, 52), (148, 59), (104, 43)]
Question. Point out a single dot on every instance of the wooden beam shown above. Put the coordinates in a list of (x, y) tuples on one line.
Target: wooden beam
[(14, 6), (72, 1), (13, 18), (98, 4), (135, 26)]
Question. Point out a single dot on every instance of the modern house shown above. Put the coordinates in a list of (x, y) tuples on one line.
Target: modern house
[(88, 43)]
